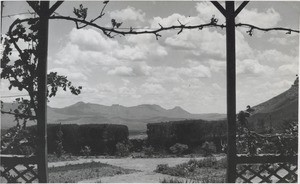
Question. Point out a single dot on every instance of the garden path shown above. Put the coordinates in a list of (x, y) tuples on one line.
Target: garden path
[(146, 166)]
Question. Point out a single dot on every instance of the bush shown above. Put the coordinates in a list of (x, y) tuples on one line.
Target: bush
[(179, 149), (59, 143), (122, 149), (209, 162), (149, 151), (161, 168), (86, 151), (175, 180), (18, 141)]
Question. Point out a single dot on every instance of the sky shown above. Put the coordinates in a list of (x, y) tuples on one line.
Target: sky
[(186, 70)]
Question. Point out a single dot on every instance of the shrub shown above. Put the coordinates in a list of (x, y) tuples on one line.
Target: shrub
[(209, 162), (191, 170), (59, 143), (86, 151), (149, 151), (161, 168), (176, 180), (18, 141), (178, 148), (122, 149)]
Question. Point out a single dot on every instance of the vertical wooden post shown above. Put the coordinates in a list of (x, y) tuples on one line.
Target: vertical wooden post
[(231, 95), (42, 93)]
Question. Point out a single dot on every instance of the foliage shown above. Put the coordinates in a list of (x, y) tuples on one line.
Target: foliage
[(209, 162), (178, 148), (59, 142), (86, 151), (22, 73), (18, 141), (190, 132), (252, 143), (193, 168), (122, 149), (175, 180), (85, 171), (149, 151)]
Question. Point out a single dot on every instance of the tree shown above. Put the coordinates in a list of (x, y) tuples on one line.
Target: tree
[(22, 72)]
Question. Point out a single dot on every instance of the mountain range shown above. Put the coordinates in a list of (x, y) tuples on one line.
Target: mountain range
[(135, 117), (272, 113)]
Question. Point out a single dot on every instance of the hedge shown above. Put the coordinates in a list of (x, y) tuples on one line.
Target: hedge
[(190, 132), (101, 138)]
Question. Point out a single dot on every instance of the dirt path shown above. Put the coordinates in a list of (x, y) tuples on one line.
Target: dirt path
[(146, 166)]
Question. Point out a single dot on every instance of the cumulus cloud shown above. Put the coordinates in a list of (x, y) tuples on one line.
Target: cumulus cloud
[(268, 18), (128, 92), (204, 42), (129, 13), (289, 69), (250, 67), (71, 74), (91, 39), (153, 88), (281, 41), (122, 71), (206, 10), (273, 56)]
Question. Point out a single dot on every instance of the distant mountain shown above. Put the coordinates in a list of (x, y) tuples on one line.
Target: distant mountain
[(273, 113), (135, 117), (276, 112)]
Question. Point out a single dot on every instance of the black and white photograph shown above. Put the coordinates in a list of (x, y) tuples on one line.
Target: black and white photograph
[(149, 91)]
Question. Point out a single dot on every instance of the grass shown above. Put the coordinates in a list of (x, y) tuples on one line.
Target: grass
[(64, 157), (207, 170), (79, 172)]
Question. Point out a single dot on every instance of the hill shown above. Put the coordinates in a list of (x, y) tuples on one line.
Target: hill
[(276, 112)]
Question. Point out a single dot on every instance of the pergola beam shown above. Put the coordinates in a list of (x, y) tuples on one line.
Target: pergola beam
[(33, 6), (219, 7), (54, 7), (240, 8)]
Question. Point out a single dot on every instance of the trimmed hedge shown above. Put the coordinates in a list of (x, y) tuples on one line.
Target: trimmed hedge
[(101, 138), (190, 132)]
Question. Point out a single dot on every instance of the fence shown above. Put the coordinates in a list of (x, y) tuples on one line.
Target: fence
[(18, 168)]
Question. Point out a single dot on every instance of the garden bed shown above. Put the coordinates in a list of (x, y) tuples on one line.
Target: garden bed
[(208, 170), (79, 172)]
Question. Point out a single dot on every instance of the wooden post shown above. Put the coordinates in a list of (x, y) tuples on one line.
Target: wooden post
[(231, 95), (42, 93)]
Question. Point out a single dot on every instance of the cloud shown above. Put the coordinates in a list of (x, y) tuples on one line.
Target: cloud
[(199, 71), (199, 42), (281, 41), (273, 56), (128, 92), (289, 69), (206, 10), (268, 18), (130, 13), (90, 39), (122, 71), (217, 65), (71, 74), (173, 20), (153, 88), (253, 67)]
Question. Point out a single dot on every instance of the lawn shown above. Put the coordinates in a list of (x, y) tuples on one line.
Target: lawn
[(79, 172)]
